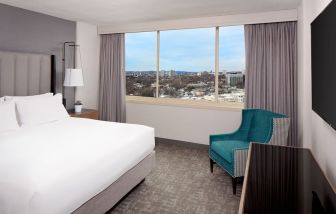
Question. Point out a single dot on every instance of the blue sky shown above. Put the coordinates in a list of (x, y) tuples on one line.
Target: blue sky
[(186, 50)]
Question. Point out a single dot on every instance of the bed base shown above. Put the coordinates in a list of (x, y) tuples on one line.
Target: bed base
[(105, 200)]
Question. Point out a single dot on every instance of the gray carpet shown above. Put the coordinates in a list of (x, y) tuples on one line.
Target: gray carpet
[(182, 183)]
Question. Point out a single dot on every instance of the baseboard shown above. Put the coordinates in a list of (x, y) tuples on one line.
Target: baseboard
[(180, 143)]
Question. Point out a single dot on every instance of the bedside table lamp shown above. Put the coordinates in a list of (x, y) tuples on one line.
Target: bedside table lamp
[(73, 78)]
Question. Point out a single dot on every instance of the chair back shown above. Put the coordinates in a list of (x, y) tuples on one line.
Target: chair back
[(259, 123)]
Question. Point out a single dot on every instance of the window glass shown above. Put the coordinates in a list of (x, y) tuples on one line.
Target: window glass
[(187, 62), (187, 59), (231, 78), (140, 53)]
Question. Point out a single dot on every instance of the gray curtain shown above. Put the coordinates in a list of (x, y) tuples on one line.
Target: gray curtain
[(112, 85), (271, 70)]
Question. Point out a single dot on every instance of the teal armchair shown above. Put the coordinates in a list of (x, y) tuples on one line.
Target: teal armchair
[(230, 150)]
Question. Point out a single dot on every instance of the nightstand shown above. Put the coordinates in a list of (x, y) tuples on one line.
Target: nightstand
[(86, 113)]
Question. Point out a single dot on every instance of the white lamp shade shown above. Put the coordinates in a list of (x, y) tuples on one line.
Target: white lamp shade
[(73, 77)]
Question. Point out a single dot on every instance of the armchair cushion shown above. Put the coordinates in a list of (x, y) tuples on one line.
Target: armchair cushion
[(226, 148)]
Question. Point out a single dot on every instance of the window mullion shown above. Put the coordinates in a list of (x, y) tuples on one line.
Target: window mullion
[(216, 62), (157, 63)]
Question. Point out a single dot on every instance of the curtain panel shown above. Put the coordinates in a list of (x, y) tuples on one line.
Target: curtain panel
[(112, 83), (271, 70)]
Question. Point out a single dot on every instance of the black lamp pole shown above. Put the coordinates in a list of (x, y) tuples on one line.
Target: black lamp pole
[(70, 44)]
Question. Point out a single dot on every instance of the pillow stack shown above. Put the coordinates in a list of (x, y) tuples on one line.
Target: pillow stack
[(30, 110)]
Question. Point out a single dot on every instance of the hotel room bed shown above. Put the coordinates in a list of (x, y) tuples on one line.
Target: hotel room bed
[(59, 166), (72, 165)]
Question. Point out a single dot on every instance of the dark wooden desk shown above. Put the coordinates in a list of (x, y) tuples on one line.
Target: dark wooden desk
[(285, 180)]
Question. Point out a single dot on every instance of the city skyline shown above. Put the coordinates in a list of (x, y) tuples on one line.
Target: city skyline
[(186, 50)]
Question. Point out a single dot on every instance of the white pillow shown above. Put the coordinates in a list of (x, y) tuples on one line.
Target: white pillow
[(8, 118), (2, 99), (15, 98), (38, 111)]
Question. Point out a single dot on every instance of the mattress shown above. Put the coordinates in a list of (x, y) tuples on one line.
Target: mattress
[(58, 166)]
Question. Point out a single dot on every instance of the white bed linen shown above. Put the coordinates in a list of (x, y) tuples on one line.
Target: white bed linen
[(56, 167)]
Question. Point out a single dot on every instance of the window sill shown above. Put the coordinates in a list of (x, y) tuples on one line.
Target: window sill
[(225, 106)]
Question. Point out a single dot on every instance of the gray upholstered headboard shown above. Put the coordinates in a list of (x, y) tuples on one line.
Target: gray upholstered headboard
[(23, 74)]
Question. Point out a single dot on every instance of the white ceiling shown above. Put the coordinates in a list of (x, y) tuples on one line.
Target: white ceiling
[(117, 12)]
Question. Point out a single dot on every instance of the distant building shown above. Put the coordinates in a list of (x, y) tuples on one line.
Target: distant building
[(140, 73), (235, 78), (202, 73), (236, 96), (170, 73)]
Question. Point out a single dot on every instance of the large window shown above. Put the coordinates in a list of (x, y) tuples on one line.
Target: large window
[(191, 64)]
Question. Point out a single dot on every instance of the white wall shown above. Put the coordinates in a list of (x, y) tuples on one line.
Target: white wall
[(315, 133), (185, 124), (89, 41)]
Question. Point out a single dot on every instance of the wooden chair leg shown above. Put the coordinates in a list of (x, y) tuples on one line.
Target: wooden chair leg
[(211, 165), (234, 185)]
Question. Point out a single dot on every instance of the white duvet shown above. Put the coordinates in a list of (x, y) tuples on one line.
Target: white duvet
[(56, 167)]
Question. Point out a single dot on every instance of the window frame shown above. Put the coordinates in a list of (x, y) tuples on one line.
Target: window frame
[(216, 104)]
